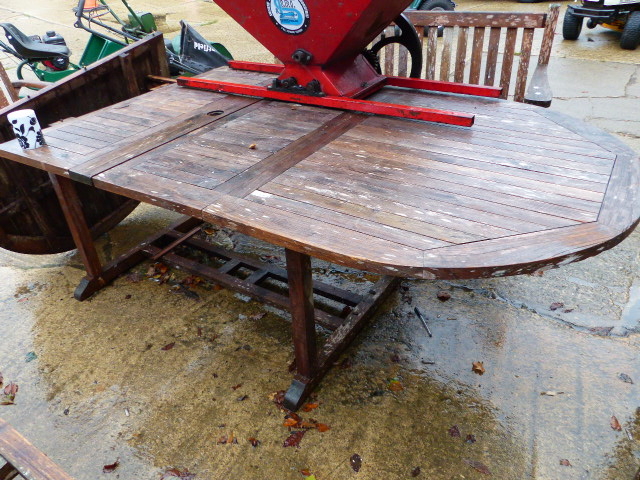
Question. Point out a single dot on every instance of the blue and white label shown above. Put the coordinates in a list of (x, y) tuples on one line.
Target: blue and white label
[(290, 16)]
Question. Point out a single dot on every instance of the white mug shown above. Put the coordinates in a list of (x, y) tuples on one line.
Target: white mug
[(27, 129)]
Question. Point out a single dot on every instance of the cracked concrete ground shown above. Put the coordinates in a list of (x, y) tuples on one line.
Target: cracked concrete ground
[(101, 387)]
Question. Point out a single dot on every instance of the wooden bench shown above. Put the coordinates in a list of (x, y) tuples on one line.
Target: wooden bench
[(474, 45), (23, 459)]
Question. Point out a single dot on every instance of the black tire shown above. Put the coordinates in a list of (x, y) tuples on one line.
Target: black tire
[(631, 34), (438, 5), (571, 26)]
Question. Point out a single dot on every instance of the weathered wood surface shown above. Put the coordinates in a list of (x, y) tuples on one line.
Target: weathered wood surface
[(459, 54), (26, 459), (31, 220), (522, 189)]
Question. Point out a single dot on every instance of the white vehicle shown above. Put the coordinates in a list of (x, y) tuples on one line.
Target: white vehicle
[(620, 15)]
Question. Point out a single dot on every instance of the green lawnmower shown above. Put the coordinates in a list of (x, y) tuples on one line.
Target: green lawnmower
[(48, 57)]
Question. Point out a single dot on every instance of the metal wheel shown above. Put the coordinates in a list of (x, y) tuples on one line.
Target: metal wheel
[(408, 38)]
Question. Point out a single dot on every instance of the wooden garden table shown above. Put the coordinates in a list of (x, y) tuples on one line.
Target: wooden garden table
[(524, 189)]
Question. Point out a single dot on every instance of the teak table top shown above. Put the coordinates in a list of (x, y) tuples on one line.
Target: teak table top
[(524, 188)]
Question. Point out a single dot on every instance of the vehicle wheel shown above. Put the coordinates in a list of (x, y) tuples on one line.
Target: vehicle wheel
[(571, 26), (437, 5), (631, 34), (591, 23)]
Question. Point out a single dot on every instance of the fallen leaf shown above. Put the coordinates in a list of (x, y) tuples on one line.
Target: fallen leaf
[(395, 358), (602, 331), (242, 398), (565, 463), (443, 296), (479, 466), (254, 442), (478, 367), (551, 393), (258, 316), (235, 387), (415, 472), (555, 306), (290, 423), (278, 398), (1, 379), (253, 146), (615, 424), (293, 440), (454, 431), (356, 462), (310, 477), (470, 438), (7, 400), (112, 467), (567, 310), (11, 389), (395, 385), (310, 406), (322, 427), (223, 440), (305, 472), (168, 346), (174, 472), (209, 230), (134, 277), (623, 376)]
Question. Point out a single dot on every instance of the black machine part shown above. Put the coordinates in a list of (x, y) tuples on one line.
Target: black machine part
[(53, 38), (29, 48), (196, 54), (407, 36)]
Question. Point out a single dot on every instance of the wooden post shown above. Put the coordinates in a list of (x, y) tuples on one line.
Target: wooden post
[(72, 209), (303, 322)]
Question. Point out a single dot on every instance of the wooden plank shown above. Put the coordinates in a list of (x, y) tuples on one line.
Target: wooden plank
[(158, 135), (256, 176), (476, 19), (432, 52), (421, 176), (520, 197), (420, 217), (445, 56), (403, 60), (389, 54), (620, 208), (484, 148), (492, 56), (476, 55), (507, 61), (549, 32), (420, 203), (522, 254), (27, 459), (523, 64), (326, 242), (444, 151), (461, 54), (394, 228)]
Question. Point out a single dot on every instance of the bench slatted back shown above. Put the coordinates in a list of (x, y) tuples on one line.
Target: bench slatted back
[(478, 48)]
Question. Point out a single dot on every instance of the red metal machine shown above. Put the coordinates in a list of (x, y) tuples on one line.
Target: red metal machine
[(322, 45)]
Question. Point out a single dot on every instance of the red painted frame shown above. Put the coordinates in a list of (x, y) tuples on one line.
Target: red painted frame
[(343, 103)]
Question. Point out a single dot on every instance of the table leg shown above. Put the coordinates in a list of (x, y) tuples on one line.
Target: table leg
[(312, 364), (72, 209), (97, 275)]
